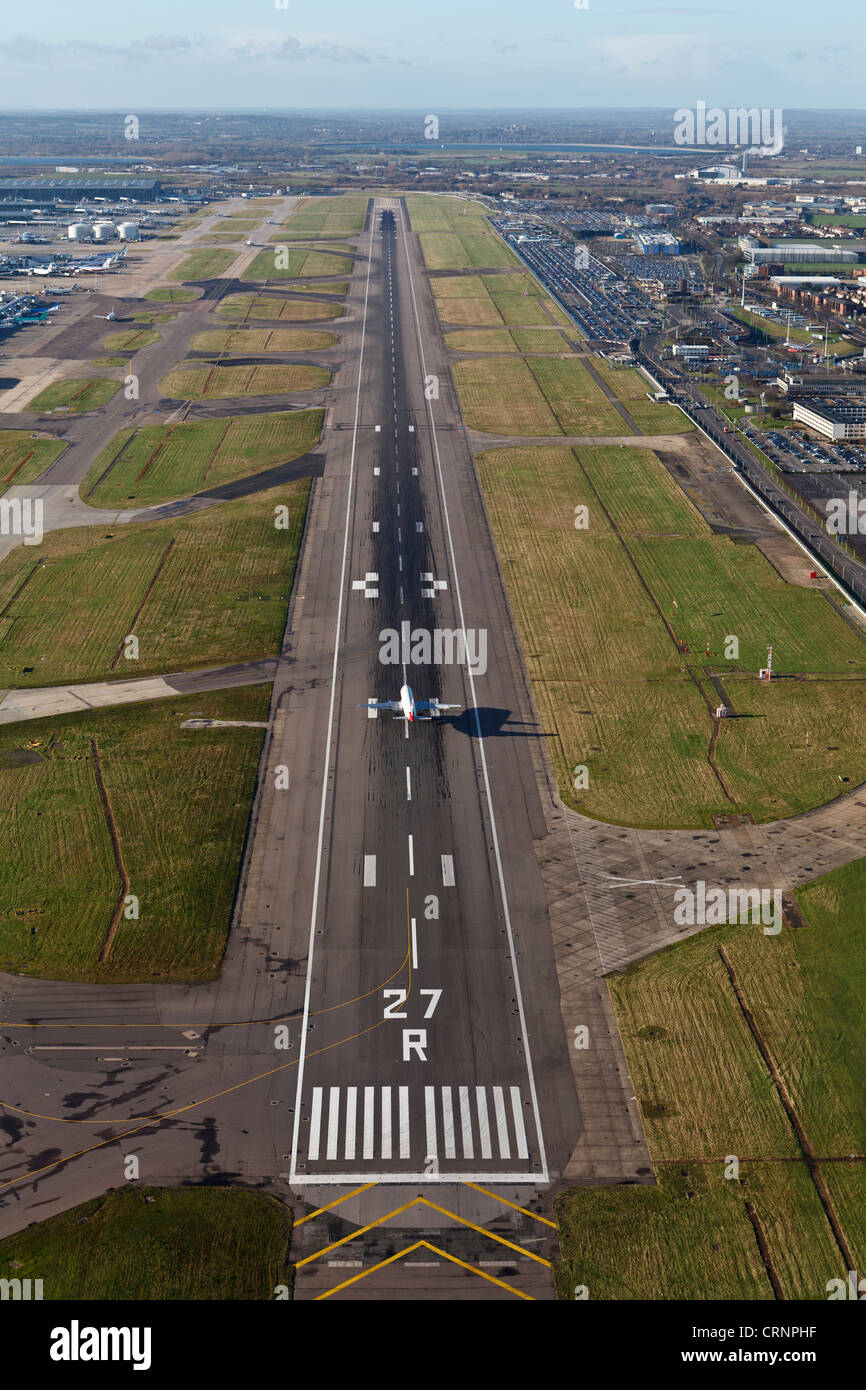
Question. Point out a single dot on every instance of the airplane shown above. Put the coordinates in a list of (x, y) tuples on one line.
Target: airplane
[(109, 318), (410, 708)]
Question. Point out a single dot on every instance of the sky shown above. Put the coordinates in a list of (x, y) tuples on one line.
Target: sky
[(435, 54)]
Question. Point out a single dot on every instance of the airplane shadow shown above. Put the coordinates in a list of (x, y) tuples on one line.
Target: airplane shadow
[(494, 723)]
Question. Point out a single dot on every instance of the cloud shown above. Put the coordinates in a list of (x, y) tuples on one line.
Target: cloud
[(670, 56), (21, 48), (293, 50)]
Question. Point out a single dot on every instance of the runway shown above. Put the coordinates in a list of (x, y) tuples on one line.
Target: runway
[(430, 997)]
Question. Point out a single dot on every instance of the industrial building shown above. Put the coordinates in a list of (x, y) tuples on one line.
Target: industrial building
[(798, 253), (691, 351), (656, 244), (833, 418), (66, 190)]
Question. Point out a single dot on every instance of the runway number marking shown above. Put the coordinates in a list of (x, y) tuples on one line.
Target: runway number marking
[(399, 996)]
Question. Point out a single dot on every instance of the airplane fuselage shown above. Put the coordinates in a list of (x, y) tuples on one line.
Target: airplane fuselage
[(407, 702)]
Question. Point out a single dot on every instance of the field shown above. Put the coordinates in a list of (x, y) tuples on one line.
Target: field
[(491, 301), (295, 261), (208, 383), (430, 212), (705, 1092), (612, 688), (263, 306), (23, 458), (75, 394), (130, 339), (691, 1237), (631, 388), (177, 1243), (545, 340), (465, 250), (250, 340), (174, 294), (540, 396), (181, 844), (199, 591), (344, 216), (837, 219), (161, 462), (203, 265)]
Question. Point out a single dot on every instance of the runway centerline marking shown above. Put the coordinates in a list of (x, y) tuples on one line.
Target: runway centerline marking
[(543, 1176)]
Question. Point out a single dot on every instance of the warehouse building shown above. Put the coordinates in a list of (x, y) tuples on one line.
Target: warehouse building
[(66, 190), (796, 252)]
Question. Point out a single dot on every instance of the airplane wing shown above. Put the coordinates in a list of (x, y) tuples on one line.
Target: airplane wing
[(381, 704), (433, 706)]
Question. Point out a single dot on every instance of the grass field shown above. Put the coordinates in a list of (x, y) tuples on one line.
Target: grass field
[(691, 1238), (75, 394), (431, 212), (130, 339), (161, 462), (208, 383), (181, 843), (538, 396), (263, 306), (23, 457), (546, 340), (174, 294), (294, 261), (613, 691), (250, 340), (203, 265), (329, 216), (705, 1092), (201, 590), (631, 388), (177, 1243), (465, 250), (491, 301)]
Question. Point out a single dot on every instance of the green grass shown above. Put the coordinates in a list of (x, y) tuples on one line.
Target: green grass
[(203, 265), (130, 340), (631, 388), (691, 1238), (246, 307), (433, 212), (23, 458), (154, 1243), (151, 316), (295, 261), (837, 219), (208, 383), (463, 251), (254, 340), (175, 294), (201, 590), (75, 394), (342, 216), (181, 843), (161, 462), (612, 690), (543, 340), (536, 396), (705, 1092), (491, 301)]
